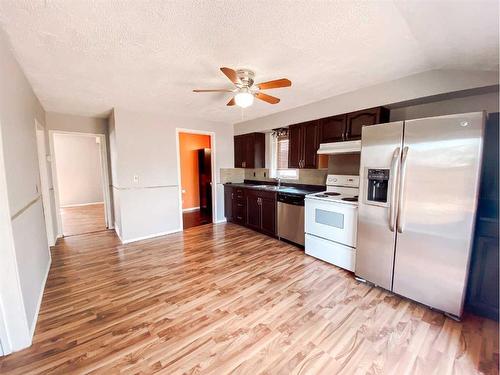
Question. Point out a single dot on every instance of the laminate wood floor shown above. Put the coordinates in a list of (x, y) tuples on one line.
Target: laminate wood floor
[(221, 299), (195, 218), (83, 219)]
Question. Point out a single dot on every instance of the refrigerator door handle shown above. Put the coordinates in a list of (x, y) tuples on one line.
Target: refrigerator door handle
[(400, 216), (396, 157)]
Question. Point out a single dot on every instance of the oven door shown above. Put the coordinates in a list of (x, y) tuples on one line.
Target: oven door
[(332, 221)]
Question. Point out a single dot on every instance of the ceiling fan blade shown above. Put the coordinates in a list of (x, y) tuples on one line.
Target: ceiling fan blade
[(231, 102), (231, 74), (214, 90), (267, 98), (276, 84)]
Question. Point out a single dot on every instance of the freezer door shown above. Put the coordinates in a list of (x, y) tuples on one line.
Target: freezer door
[(438, 195), (380, 149)]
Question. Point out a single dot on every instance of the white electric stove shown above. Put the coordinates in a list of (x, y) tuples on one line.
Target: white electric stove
[(331, 221)]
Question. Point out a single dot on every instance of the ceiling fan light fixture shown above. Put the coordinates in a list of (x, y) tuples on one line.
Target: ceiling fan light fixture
[(244, 98)]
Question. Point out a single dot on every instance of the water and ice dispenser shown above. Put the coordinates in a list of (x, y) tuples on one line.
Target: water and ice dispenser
[(378, 185)]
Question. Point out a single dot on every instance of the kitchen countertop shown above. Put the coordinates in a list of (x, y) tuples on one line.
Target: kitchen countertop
[(283, 189)]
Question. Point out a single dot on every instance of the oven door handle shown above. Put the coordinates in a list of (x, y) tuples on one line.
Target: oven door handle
[(394, 176)]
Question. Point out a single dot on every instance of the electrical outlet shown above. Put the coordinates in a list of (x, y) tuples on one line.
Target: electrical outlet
[(254, 174), (136, 179)]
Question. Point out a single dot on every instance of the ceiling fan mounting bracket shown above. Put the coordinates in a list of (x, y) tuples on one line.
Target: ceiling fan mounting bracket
[(246, 77)]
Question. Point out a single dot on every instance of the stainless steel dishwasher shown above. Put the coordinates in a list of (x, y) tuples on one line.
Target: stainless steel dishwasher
[(291, 217)]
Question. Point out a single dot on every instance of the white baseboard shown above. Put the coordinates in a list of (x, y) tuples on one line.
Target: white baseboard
[(191, 209), (40, 297), (81, 204), (150, 236), (220, 221)]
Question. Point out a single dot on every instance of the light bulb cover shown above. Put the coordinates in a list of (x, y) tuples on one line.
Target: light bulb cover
[(243, 99)]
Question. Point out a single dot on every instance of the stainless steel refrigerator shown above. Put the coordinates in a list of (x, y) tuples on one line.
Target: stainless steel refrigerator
[(419, 182)]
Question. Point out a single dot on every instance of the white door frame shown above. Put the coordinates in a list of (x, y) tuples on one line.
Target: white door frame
[(104, 175), (212, 161), (44, 181)]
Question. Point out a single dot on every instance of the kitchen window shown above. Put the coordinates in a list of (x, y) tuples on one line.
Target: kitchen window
[(279, 156)]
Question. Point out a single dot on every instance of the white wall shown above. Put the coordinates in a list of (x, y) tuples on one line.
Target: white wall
[(78, 165), (24, 253), (421, 85), (144, 145)]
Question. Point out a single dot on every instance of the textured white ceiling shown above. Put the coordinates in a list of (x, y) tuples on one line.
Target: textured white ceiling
[(85, 57)]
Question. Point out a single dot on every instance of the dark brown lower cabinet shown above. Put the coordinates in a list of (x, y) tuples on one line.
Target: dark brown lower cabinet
[(228, 202), (239, 206), (268, 215), (482, 298), (482, 293), (252, 208)]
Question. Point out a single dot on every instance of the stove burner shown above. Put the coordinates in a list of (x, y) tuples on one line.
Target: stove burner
[(331, 193), (350, 199), (321, 195)]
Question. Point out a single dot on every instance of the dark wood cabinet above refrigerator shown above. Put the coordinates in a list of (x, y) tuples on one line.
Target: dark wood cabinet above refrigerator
[(347, 127), (249, 150)]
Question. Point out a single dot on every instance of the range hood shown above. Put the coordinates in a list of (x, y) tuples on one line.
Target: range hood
[(333, 148)]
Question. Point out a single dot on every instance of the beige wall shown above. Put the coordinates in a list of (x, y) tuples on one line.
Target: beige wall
[(78, 164), (24, 253), (144, 145)]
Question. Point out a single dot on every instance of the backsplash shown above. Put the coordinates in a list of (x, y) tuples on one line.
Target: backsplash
[(306, 176), (346, 164), (236, 175)]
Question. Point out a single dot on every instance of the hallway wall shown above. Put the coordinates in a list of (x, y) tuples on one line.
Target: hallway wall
[(78, 165), (24, 253), (189, 144)]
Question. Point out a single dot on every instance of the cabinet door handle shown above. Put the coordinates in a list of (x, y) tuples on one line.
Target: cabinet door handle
[(232, 196), (243, 164)]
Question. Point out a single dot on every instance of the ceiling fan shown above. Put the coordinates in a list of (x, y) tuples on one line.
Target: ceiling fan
[(245, 90)]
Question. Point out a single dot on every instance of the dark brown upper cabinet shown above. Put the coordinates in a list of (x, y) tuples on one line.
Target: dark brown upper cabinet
[(347, 127), (294, 146), (303, 143), (356, 120), (332, 129), (249, 150)]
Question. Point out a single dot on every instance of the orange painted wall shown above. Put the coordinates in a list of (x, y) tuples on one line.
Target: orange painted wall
[(189, 144)]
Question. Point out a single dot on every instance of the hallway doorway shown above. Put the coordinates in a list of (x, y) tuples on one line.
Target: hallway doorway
[(195, 154), (80, 181)]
